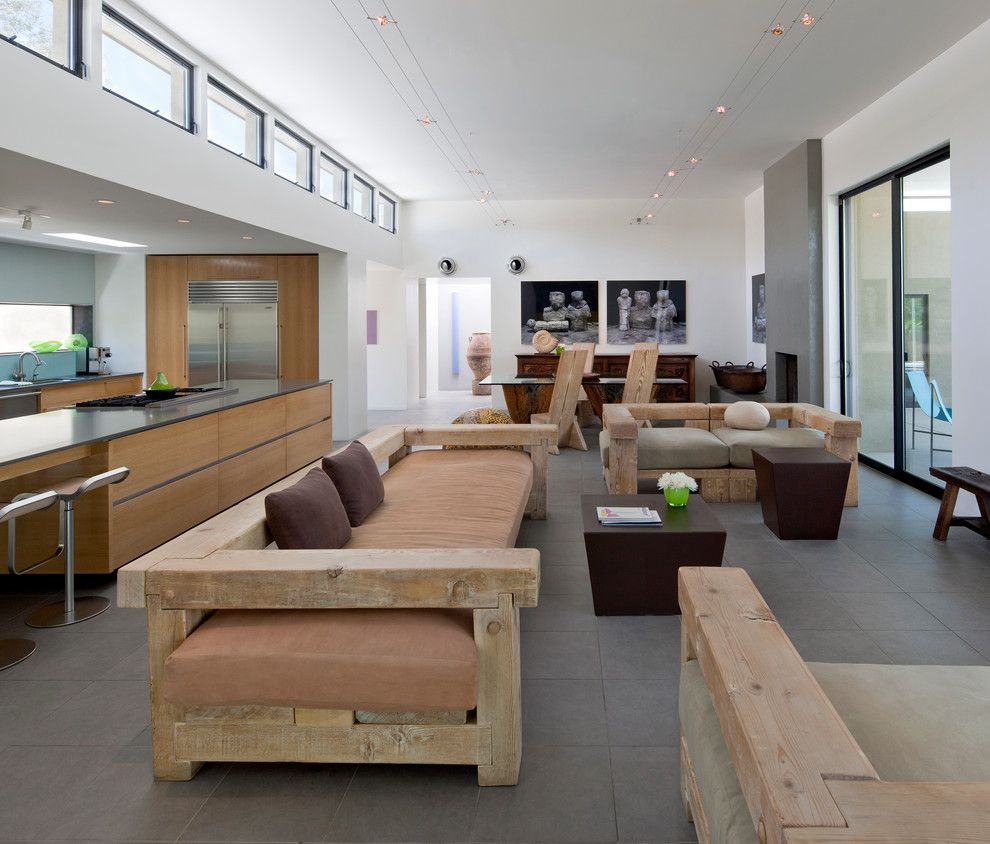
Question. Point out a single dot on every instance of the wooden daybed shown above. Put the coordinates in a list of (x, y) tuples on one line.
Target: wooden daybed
[(225, 564), (890, 754), (724, 469)]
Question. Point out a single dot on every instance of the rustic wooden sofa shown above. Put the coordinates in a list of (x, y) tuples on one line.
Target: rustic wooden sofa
[(776, 750), (466, 599), (725, 472)]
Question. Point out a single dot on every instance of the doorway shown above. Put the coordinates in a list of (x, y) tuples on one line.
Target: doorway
[(897, 320)]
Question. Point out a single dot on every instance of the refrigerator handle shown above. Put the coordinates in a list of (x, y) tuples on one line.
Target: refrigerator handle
[(278, 350), (221, 343), (185, 351)]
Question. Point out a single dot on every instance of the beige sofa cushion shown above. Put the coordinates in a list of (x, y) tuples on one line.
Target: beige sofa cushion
[(922, 723), (674, 448), (741, 443), (394, 660), (747, 416), (450, 499)]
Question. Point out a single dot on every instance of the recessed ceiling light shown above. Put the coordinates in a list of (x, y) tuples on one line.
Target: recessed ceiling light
[(671, 173), (104, 202), (100, 241), (807, 19), (247, 237), (426, 120), (183, 221), (777, 30), (720, 109)]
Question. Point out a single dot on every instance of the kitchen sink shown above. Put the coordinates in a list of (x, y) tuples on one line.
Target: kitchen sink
[(35, 383)]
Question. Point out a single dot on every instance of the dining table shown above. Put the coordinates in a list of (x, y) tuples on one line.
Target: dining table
[(529, 394)]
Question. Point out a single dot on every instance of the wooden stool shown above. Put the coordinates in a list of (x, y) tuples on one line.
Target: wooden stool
[(970, 480), (72, 611), (13, 651)]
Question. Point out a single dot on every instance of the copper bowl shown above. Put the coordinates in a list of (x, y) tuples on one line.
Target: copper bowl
[(740, 379)]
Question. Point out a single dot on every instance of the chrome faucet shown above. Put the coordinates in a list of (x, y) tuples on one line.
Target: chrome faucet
[(18, 374)]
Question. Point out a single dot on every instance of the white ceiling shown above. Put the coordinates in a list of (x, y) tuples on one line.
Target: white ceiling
[(69, 199), (563, 99)]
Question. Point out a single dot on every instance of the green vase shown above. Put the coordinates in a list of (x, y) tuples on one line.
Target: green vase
[(677, 496)]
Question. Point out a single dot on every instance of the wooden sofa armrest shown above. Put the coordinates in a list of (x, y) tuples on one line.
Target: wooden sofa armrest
[(356, 578), (384, 442), (828, 422), (782, 732), (481, 435)]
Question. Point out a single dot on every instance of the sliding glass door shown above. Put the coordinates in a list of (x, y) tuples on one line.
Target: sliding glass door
[(897, 321)]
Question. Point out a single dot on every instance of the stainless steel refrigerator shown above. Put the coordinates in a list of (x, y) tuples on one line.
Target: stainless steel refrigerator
[(233, 330)]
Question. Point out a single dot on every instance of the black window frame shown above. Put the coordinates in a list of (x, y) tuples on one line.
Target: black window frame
[(216, 83), (308, 144), (371, 190), (895, 177), (75, 64), (144, 35), (392, 202), (347, 180)]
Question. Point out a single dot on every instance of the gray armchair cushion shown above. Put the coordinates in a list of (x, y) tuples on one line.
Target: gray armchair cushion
[(674, 448), (741, 443)]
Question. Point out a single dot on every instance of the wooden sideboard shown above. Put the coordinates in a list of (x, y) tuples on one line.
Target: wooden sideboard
[(614, 366)]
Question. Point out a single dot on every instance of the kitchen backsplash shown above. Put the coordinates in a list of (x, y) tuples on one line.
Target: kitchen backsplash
[(60, 364)]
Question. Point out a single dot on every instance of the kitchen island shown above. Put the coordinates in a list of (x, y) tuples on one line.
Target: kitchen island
[(188, 462)]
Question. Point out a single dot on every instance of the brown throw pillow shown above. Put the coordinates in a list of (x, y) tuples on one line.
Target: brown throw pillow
[(354, 473), (309, 514)]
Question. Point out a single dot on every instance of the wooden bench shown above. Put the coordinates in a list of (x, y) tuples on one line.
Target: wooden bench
[(971, 480), (226, 564)]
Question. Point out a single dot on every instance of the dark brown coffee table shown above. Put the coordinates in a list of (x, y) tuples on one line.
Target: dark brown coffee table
[(802, 491), (634, 569)]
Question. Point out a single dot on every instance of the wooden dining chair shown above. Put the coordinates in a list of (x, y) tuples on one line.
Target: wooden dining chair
[(641, 374), (585, 415), (563, 401)]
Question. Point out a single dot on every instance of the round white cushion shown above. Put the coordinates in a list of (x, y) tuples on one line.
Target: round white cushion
[(747, 416)]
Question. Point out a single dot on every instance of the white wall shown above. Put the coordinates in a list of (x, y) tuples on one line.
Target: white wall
[(120, 310), (387, 374), (701, 241), (942, 102), (756, 352), (474, 313)]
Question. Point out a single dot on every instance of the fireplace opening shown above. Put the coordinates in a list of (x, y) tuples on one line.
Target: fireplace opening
[(786, 377)]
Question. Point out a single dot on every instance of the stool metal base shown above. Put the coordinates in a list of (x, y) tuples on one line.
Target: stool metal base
[(13, 651), (54, 615)]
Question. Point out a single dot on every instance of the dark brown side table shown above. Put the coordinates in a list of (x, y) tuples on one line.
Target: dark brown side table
[(634, 568), (802, 491)]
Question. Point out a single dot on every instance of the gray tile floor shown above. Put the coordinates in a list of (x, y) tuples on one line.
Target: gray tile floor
[(600, 759)]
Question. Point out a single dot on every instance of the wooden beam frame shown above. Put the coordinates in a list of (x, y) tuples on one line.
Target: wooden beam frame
[(803, 776)]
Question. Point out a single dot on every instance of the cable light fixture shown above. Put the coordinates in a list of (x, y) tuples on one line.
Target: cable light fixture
[(381, 20), (713, 125)]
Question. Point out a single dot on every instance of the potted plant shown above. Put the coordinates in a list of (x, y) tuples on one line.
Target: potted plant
[(676, 488)]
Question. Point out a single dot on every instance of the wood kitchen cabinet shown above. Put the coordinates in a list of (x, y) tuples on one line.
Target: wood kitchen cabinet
[(298, 316), (166, 309)]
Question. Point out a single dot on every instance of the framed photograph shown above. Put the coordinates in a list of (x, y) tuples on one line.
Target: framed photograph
[(759, 308), (646, 311), (567, 309)]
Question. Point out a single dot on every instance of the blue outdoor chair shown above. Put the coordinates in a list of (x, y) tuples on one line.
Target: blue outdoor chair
[(928, 397)]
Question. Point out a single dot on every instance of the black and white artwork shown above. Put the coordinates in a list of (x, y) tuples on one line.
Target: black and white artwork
[(567, 309), (759, 308), (645, 311)]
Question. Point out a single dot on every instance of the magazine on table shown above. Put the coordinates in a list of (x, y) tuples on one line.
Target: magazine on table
[(628, 516)]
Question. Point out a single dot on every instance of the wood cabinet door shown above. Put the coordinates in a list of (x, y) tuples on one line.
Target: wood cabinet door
[(166, 306), (298, 316)]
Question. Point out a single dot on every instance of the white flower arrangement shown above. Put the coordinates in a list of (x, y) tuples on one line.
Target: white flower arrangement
[(677, 480)]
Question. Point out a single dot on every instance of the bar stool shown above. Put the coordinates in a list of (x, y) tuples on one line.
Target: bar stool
[(73, 610), (13, 651)]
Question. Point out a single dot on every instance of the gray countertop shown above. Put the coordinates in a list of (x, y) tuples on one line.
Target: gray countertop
[(58, 382), (32, 436)]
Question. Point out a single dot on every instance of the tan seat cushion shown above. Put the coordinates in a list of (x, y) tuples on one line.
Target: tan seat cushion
[(741, 443), (394, 660), (674, 448), (922, 723), (450, 499)]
